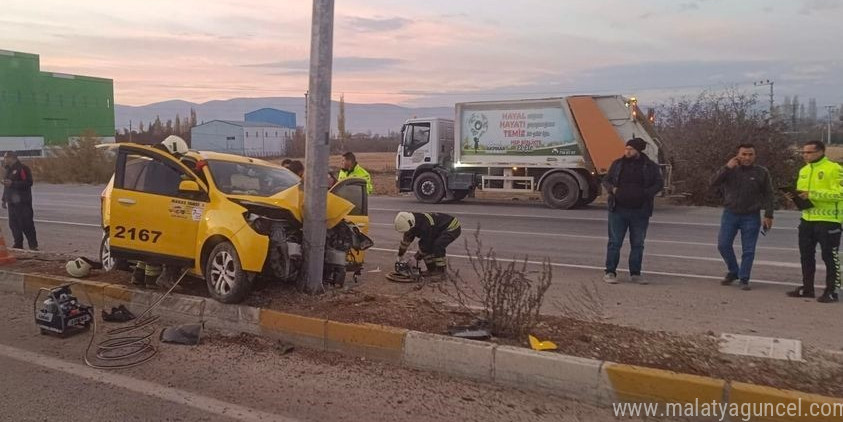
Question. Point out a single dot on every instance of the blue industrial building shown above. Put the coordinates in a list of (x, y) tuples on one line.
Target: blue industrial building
[(272, 115)]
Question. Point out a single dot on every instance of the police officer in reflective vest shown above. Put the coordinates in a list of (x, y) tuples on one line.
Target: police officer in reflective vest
[(435, 232), (820, 183)]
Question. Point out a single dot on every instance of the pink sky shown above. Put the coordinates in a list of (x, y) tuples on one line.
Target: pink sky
[(433, 52)]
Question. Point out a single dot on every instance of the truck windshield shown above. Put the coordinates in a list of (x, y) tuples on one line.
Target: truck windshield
[(250, 179), (415, 136)]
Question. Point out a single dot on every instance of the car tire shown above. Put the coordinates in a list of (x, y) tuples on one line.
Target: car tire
[(109, 263), (226, 280), (429, 188), (560, 190)]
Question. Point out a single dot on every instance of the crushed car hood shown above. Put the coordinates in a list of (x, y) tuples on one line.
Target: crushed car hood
[(292, 199)]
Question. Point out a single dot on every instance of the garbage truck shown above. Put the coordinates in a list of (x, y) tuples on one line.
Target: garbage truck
[(558, 147)]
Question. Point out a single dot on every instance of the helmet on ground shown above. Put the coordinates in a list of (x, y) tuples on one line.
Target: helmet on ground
[(404, 221), (175, 145), (78, 268)]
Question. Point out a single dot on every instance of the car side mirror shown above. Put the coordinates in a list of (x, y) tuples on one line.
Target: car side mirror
[(189, 186)]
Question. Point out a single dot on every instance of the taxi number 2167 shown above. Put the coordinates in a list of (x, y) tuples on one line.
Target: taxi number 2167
[(132, 233)]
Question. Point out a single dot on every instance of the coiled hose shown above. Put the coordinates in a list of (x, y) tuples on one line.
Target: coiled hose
[(119, 346)]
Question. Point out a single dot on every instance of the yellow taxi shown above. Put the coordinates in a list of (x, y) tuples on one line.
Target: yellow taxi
[(226, 218)]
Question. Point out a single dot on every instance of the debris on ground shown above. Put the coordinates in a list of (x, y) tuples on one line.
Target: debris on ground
[(539, 345), (187, 334), (118, 314)]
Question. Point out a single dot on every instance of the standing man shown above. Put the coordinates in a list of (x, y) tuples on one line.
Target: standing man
[(819, 182), (435, 231), (350, 168), (747, 189), (17, 196), (632, 182)]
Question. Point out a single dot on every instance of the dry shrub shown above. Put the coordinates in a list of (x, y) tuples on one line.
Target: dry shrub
[(510, 295), (702, 133), (80, 162)]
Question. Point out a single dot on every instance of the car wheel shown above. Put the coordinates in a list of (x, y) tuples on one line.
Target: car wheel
[(227, 282), (429, 188), (109, 263), (560, 190)]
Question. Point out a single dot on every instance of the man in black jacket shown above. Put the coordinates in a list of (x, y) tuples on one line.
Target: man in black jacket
[(747, 189), (632, 182), (17, 197)]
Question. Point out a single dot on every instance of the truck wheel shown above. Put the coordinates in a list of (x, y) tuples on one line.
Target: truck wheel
[(429, 188), (560, 190), (227, 282), (458, 195), (584, 201)]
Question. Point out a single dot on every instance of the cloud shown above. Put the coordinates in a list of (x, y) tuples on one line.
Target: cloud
[(684, 7), (377, 24), (810, 6), (341, 64)]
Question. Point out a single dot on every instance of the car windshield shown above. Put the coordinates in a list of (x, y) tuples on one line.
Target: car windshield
[(250, 179)]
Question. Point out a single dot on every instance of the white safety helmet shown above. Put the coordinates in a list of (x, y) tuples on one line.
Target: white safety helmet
[(404, 221), (78, 268), (176, 145)]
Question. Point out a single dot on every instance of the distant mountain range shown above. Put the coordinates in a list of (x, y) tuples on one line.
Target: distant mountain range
[(377, 118)]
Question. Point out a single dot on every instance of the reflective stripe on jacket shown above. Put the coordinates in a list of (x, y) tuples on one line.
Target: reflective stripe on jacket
[(821, 179)]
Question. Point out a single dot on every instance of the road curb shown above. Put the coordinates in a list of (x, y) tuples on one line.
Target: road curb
[(639, 384), (449, 355), (587, 380), (570, 376), (743, 394), (368, 340)]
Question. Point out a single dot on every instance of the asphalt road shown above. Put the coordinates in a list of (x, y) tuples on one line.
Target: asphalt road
[(46, 379), (681, 260)]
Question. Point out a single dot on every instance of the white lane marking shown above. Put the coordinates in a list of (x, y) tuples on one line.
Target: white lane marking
[(756, 262), (604, 238), (173, 395), (571, 218), (67, 223), (771, 263), (592, 267)]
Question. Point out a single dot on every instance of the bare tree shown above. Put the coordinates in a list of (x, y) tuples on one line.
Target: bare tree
[(703, 132)]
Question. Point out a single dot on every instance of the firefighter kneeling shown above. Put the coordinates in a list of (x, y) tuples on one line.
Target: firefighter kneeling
[(435, 232)]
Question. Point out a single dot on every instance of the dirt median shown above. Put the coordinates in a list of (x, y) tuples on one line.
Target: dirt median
[(381, 302)]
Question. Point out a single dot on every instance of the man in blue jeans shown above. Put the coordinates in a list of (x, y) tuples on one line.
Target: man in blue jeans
[(747, 189), (632, 182)]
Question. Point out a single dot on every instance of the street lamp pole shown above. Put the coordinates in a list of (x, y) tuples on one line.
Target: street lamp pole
[(765, 83)]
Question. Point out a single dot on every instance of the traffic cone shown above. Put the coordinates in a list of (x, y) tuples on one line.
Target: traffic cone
[(5, 257)]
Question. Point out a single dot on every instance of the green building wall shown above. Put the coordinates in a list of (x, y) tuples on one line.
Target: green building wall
[(51, 105)]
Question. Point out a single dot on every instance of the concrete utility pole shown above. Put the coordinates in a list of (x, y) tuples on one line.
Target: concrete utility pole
[(764, 83), (831, 110), (317, 141)]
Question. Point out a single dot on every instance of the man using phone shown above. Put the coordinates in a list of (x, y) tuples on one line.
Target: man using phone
[(747, 189)]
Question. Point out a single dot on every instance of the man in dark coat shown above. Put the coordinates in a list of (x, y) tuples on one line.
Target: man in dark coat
[(632, 182), (17, 197)]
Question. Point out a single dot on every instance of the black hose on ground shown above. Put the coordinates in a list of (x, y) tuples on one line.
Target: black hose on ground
[(119, 346)]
